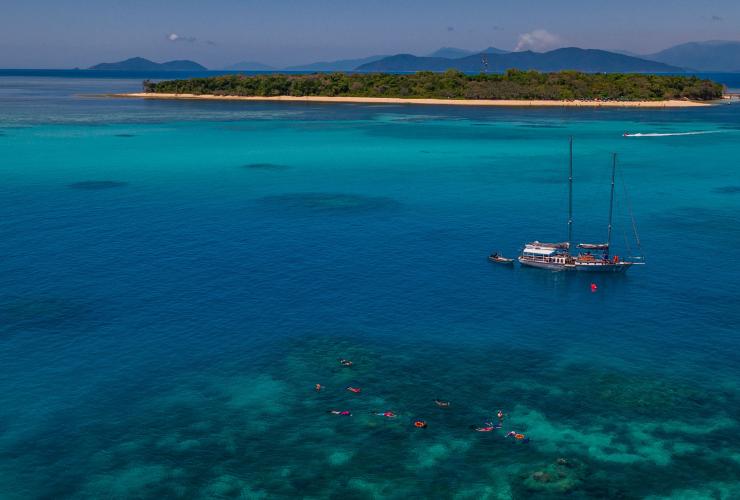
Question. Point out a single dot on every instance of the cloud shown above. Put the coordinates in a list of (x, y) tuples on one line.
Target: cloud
[(538, 41), (716, 18), (174, 37)]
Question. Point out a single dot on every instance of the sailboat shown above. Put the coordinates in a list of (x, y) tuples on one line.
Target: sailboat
[(592, 257)]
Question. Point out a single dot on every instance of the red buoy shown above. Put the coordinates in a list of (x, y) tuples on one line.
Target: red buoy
[(594, 287)]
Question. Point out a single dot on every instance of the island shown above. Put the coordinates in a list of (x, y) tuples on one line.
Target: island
[(141, 64), (511, 88)]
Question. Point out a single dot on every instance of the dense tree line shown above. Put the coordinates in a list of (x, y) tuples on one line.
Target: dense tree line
[(513, 84)]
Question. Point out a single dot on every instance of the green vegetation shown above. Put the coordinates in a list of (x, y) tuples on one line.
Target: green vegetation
[(513, 84)]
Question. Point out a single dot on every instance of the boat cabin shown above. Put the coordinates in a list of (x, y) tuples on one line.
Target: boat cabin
[(546, 253)]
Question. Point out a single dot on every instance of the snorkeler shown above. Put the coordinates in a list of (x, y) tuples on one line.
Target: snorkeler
[(345, 362), (441, 403), (318, 387), (356, 390), (518, 436), (500, 415), (346, 413), (387, 414), (486, 427), (420, 424)]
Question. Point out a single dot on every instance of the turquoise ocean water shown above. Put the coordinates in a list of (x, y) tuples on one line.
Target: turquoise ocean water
[(176, 276)]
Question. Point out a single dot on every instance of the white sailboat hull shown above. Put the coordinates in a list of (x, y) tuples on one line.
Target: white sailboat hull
[(593, 267), (552, 266)]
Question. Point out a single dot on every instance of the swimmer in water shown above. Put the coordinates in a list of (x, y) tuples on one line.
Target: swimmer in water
[(318, 387), (356, 390), (345, 362), (340, 412), (518, 436), (387, 414), (500, 415), (486, 427), (420, 424), (441, 403)]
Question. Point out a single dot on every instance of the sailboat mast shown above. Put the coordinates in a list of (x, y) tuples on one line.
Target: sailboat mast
[(611, 201), (570, 193)]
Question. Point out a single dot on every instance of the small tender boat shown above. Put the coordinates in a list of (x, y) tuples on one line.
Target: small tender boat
[(498, 259)]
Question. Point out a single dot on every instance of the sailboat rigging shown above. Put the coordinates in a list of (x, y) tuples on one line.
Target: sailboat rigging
[(594, 257)]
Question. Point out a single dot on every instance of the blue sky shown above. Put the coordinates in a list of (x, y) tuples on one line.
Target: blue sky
[(69, 33)]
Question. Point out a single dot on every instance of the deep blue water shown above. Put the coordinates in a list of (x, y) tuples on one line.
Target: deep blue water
[(176, 276)]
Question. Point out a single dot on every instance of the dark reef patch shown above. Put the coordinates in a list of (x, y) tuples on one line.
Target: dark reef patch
[(22, 313), (265, 166), (720, 225), (330, 203), (201, 423), (96, 185), (727, 190), (560, 477), (125, 135)]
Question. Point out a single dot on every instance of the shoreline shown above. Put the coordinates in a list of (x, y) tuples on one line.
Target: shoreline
[(444, 102)]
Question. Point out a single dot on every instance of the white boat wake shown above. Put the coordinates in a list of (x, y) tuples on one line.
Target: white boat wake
[(672, 133)]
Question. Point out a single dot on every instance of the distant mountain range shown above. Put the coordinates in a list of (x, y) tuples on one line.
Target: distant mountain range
[(141, 64), (340, 65), (588, 60), (451, 53), (713, 55), (455, 53), (352, 64)]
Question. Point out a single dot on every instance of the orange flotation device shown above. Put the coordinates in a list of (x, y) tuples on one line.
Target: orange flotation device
[(420, 424), (519, 436)]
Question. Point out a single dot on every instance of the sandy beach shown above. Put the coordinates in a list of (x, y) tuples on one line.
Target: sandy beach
[(445, 102)]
